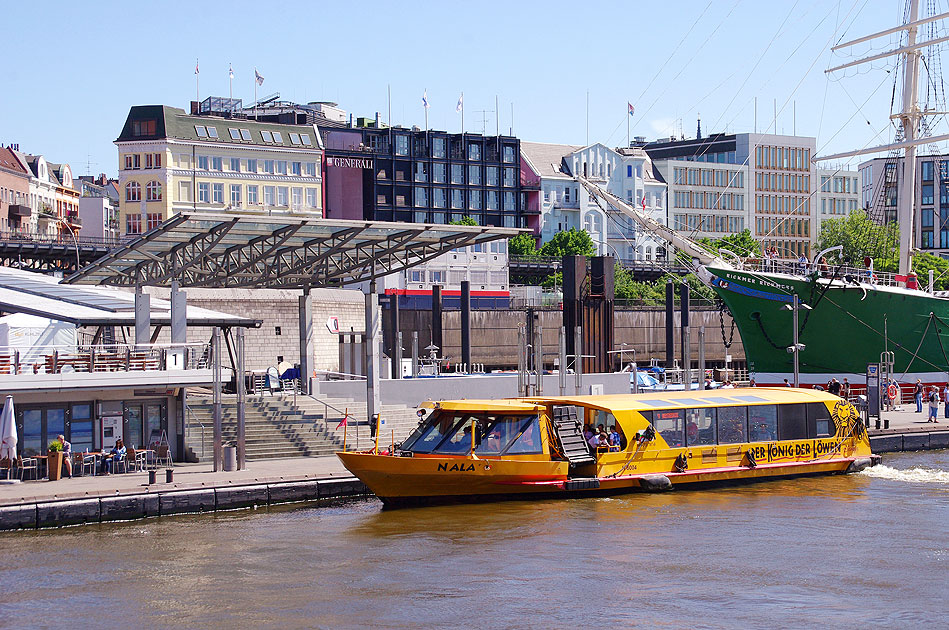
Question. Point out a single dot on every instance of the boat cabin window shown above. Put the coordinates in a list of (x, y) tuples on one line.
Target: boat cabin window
[(670, 423), (700, 426), (762, 423), (447, 432), (732, 425), (819, 422), (511, 435), (792, 422)]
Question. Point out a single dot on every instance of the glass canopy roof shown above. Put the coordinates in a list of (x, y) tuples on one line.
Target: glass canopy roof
[(222, 250)]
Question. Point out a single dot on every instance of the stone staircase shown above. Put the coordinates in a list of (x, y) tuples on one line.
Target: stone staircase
[(276, 426)]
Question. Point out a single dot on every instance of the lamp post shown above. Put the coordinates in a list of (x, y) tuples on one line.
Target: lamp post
[(74, 240), (796, 346)]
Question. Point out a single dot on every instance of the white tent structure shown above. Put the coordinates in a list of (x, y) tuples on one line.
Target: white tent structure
[(34, 337)]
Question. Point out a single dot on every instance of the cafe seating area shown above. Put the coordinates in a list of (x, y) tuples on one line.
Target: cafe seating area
[(34, 467)]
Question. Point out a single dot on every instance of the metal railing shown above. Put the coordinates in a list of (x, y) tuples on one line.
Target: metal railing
[(79, 358), (189, 431), (61, 239), (797, 268)]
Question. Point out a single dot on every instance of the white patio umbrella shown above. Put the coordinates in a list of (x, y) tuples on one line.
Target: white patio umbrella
[(8, 437)]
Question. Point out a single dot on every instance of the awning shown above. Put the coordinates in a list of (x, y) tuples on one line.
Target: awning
[(42, 295), (222, 250)]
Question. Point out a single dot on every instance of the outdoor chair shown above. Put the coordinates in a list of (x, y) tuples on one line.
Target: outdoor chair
[(122, 463), (29, 465), (7, 464), (163, 456), (137, 459), (88, 462)]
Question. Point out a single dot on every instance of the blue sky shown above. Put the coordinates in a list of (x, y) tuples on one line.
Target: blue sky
[(73, 69)]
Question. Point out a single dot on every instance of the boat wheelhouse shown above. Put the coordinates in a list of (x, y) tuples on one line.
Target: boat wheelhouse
[(526, 447)]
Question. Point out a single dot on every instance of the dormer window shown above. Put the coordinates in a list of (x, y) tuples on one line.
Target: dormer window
[(294, 138), (277, 137), (144, 127), (245, 134), (267, 136), (235, 134), (201, 131), (212, 132), (305, 137)]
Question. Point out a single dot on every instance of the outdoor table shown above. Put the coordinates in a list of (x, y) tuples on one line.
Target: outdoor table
[(41, 459)]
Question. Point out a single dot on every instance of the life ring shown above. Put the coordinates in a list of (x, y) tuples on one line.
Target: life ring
[(892, 391)]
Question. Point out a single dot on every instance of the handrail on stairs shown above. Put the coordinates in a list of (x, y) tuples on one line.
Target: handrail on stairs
[(203, 428), (326, 408)]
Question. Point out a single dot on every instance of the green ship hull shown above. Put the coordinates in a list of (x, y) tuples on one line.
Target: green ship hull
[(849, 325)]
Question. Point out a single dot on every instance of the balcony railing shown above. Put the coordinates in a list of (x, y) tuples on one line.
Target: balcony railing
[(66, 359)]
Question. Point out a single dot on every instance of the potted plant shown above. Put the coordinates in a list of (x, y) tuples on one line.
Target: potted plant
[(54, 461)]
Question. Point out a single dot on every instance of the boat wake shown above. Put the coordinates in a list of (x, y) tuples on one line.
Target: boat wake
[(910, 475)]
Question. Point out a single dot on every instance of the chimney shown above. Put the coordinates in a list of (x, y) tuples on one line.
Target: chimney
[(350, 119), (377, 120), (195, 108)]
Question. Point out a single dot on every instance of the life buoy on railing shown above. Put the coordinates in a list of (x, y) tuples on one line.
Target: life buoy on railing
[(892, 391)]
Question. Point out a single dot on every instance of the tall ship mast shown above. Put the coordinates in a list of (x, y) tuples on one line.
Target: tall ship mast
[(847, 315)]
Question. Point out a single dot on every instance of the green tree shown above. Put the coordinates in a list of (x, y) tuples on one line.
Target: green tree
[(923, 262), (465, 220), (861, 237), (522, 245), (573, 242), (741, 243)]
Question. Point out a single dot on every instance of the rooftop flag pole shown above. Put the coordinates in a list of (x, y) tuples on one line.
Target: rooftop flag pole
[(460, 107), (425, 107), (197, 87), (230, 74), (258, 80)]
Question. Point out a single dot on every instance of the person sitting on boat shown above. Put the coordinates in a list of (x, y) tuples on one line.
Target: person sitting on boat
[(593, 440), (802, 264), (602, 442), (587, 431), (615, 439), (824, 267)]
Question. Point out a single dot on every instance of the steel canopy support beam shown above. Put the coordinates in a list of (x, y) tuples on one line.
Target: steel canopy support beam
[(306, 339)]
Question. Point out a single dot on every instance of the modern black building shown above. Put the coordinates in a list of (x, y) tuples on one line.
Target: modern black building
[(396, 174)]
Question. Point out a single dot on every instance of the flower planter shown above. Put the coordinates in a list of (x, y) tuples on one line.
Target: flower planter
[(54, 465)]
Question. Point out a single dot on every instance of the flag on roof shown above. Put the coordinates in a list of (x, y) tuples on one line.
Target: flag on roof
[(230, 71), (461, 103), (258, 77), (631, 108), (196, 71), (425, 99)]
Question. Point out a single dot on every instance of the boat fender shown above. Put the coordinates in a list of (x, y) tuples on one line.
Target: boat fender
[(859, 464), (681, 464), (751, 460), (655, 483)]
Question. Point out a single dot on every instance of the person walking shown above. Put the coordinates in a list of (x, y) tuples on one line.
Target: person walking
[(918, 395), (945, 398), (933, 404)]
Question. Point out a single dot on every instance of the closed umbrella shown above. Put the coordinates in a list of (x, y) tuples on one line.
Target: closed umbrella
[(8, 432)]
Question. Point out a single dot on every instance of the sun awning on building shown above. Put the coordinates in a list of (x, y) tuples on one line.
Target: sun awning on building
[(221, 250), (44, 296)]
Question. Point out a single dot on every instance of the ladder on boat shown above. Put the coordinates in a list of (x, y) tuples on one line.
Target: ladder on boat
[(570, 435)]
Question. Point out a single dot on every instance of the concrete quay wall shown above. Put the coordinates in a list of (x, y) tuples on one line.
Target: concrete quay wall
[(898, 442), (35, 515)]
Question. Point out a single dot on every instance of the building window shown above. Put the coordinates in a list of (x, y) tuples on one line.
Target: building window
[(296, 168), (310, 169), (457, 174), (436, 277), (296, 198), (311, 197), (212, 132), (629, 170), (439, 198), (439, 173), (269, 166), (266, 136), (491, 175), (153, 191), (294, 138), (184, 191), (236, 165), (235, 134), (438, 147), (474, 174), (508, 154), (269, 194), (305, 139), (128, 162), (509, 178), (203, 162), (236, 195), (152, 220), (149, 160), (421, 172), (491, 202), (204, 192), (252, 165), (401, 144), (217, 191), (474, 151), (509, 201), (457, 198), (133, 192), (217, 164), (252, 198), (421, 197), (277, 137), (133, 224), (566, 194), (144, 128), (283, 196), (281, 167), (245, 135), (474, 199)]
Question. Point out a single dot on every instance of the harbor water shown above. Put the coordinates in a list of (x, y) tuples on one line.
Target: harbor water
[(864, 550)]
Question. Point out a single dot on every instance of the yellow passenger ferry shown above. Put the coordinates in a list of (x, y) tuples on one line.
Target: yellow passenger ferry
[(515, 448)]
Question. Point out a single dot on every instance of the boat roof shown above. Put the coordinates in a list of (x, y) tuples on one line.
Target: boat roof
[(503, 404), (696, 398)]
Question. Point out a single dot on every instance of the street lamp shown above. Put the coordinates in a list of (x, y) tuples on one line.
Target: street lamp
[(74, 240), (796, 347)]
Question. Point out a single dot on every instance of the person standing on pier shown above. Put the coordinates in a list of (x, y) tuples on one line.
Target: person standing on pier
[(945, 398), (933, 404), (918, 395)]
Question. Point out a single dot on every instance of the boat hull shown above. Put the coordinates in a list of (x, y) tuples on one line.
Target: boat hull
[(849, 325)]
